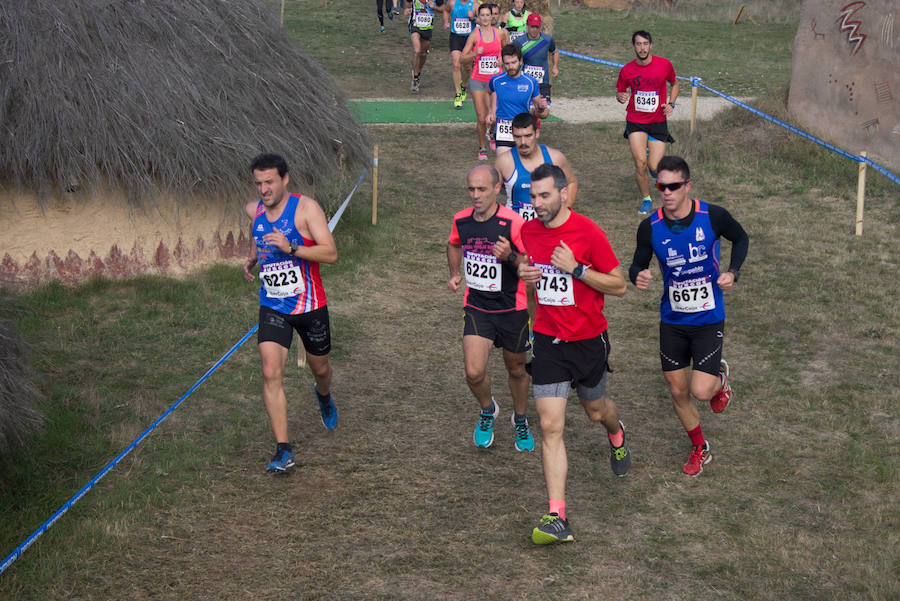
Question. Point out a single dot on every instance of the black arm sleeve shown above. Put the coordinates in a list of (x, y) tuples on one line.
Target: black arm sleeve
[(643, 252), (726, 226)]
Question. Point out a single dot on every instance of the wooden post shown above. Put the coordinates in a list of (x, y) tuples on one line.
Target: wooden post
[(860, 194), (282, 12), (375, 186), (739, 14), (694, 90)]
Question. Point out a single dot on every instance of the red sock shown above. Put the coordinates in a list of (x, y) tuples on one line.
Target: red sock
[(617, 439), (558, 506), (697, 436)]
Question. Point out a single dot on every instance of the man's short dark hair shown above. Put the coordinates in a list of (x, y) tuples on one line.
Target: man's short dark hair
[(269, 161), (674, 163), (644, 34), (511, 50), (555, 171), (523, 120)]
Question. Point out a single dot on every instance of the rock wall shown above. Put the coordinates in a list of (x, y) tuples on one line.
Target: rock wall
[(845, 79), (75, 238)]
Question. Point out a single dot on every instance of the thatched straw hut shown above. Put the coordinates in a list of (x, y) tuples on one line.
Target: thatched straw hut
[(126, 129)]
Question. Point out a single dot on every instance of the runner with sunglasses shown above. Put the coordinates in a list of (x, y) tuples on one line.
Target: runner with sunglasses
[(684, 235)]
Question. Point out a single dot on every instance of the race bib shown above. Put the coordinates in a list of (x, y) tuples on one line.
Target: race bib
[(482, 272), (514, 35), (282, 279), (527, 211), (504, 130), (646, 102), (487, 65), (462, 26), (555, 287), (423, 20), (692, 296), (536, 71)]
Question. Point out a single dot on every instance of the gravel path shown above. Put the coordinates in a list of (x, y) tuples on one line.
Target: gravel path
[(591, 110)]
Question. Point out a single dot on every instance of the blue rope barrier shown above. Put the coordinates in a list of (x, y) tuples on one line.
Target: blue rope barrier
[(695, 82), (18, 551)]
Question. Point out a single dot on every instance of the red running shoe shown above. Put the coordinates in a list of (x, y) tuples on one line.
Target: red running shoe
[(699, 457), (720, 399)]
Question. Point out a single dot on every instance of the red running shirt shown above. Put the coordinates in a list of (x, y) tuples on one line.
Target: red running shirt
[(568, 308), (648, 89)]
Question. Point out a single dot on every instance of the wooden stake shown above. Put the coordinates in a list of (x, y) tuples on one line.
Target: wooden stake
[(739, 14), (860, 194), (694, 91), (282, 12), (375, 186)]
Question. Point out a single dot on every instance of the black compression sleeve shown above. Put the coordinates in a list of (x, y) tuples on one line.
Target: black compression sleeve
[(726, 226), (643, 252)]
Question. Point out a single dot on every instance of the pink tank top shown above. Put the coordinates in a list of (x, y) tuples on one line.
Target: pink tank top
[(487, 64)]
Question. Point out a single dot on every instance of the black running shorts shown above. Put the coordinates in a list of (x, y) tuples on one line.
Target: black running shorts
[(679, 346), (313, 327)]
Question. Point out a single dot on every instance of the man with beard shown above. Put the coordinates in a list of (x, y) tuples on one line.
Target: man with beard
[(648, 107), (572, 266), (513, 92)]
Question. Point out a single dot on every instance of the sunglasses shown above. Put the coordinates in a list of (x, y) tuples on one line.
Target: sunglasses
[(673, 186)]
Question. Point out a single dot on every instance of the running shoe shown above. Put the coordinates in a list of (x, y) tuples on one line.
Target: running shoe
[(282, 460), (396, 11), (524, 439), (699, 457), (493, 143), (328, 410), (646, 207), (381, 30), (620, 457), (414, 87), (484, 428), (462, 93), (482, 154), (720, 399), (552, 529), (458, 100), (391, 14)]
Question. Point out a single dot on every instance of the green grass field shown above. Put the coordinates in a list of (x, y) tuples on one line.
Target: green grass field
[(800, 502)]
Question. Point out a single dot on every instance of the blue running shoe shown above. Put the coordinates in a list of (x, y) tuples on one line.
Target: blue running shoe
[(646, 207), (329, 411), (524, 439), (282, 460), (484, 429)]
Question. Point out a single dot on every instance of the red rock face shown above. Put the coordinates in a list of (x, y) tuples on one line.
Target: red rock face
[(845, 77), (75, 240)]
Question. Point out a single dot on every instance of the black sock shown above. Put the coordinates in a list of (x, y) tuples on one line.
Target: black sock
[(284, 446)]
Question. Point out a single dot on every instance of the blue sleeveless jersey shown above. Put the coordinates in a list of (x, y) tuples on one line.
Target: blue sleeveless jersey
[(461, 11), (518, 186), (689, 262), (271, 258)]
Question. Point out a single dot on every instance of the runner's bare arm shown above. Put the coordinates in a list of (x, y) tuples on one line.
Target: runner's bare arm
[(611, 282), (311, 213), (572, 186), (454, 256), (250, 209)]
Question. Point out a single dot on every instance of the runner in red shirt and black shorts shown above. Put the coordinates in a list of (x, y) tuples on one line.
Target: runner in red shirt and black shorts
[(648, 107), (573, 267)]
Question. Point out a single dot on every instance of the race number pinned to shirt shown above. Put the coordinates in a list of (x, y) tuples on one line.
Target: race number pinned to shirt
[(514, 35), (555, 287), (536, 71), (488, 65), (282, 279), (482, 272), (462, 25), (692, 296), (504, 130), (423, 20), (526, 210), (646, 101)]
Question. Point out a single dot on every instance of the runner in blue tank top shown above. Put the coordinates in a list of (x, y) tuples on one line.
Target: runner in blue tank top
[(684, 235), (515, 167), (291, 238)]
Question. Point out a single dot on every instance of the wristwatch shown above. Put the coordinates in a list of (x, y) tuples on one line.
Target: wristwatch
[(294, 247), (673, 104), (511, 259), (578, 272)]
